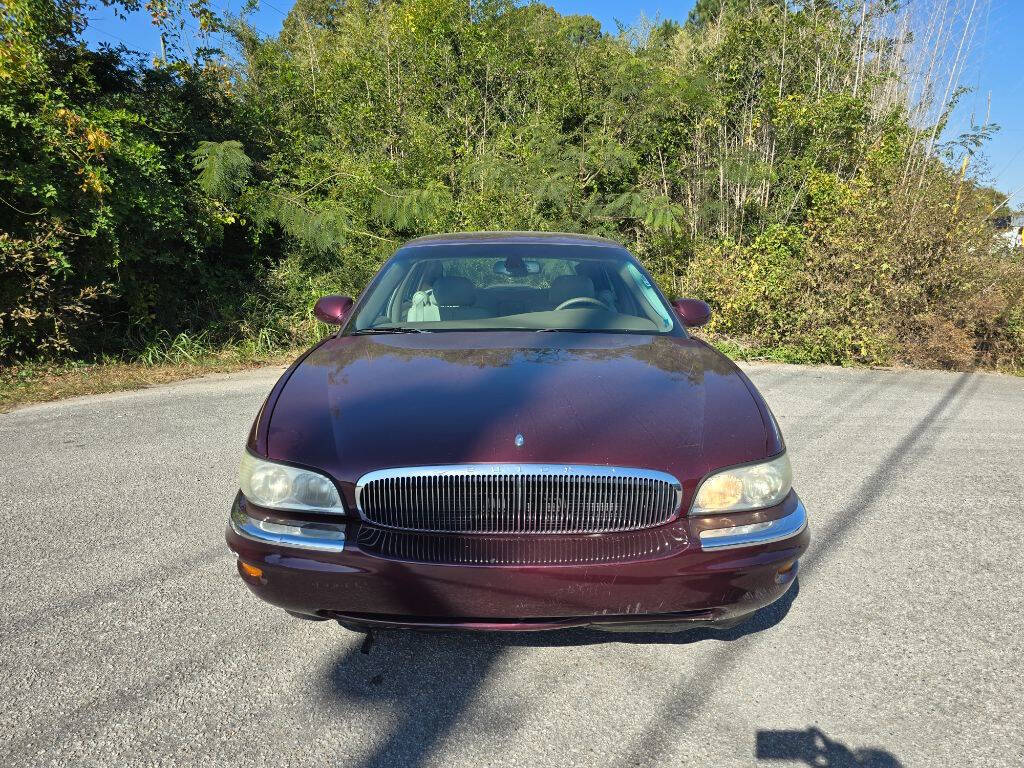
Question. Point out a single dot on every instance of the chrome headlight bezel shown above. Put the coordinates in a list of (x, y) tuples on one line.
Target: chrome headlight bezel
[(273, 485), (744, 488)]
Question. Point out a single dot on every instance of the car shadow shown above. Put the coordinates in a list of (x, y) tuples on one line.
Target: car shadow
[(423, 682), (812, 747), (428, 680)]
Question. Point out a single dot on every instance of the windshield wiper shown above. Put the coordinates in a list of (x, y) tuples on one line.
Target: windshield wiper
[(571, 330), (399, 329)]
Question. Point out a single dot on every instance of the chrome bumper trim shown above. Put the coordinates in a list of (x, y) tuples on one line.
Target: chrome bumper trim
[(756, 533), (323, 537)]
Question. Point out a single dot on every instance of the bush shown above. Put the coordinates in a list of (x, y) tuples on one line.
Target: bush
[(39, 308), (873, 276), (778, 159), (107, 238)]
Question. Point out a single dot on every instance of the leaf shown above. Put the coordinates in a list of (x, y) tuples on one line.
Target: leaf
[(659, 214), (411, 208), (323, 226), (224, 168)]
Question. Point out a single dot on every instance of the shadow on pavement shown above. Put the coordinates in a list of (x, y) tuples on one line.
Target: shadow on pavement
[(422, 683), (677, 712), (812, 747), (430, 679)]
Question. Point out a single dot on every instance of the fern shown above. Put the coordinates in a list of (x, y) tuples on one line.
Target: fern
[(659, 214), (553, 189), (626, 205), (322, 226), (224, 168), (413, 208)]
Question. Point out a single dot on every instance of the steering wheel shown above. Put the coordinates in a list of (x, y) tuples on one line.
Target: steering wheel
[(582, 300)]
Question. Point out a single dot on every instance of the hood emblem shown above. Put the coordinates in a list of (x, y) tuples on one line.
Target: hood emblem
[(519, 441)]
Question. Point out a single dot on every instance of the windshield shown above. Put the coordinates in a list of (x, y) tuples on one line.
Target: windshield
[(502, 286)]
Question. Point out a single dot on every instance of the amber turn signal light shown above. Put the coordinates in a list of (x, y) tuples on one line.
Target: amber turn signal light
[(249, 570), (785, 572)]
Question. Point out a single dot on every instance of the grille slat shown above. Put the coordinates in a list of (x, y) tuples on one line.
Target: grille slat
[(511, 498)]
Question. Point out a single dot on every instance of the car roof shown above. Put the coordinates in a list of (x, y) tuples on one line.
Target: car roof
[(549, 238)]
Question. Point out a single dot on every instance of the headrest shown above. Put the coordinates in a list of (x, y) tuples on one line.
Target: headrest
[(567, 287), (454, 292)]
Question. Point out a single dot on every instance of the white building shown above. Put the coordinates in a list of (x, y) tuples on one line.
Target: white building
[(1010, 228)]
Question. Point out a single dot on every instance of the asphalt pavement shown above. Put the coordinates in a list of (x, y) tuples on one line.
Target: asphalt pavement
[(127, 639)]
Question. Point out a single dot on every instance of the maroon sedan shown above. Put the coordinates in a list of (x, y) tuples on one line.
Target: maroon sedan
[(514, 431)]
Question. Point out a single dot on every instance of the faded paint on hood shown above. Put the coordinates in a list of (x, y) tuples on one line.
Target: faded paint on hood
[(360, 403)]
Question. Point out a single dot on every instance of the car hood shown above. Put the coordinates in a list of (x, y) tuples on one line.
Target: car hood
[(360, 403)]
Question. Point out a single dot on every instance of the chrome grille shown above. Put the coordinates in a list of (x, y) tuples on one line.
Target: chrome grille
[(518, 498), (452, 549)]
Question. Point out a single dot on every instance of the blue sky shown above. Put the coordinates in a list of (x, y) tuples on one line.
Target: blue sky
[(996, 70)]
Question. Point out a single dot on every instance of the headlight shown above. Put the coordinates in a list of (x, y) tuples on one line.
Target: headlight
[(739, 489), (278, 486)]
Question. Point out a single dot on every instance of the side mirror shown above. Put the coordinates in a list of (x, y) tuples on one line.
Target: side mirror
[(332, 309), (693, 312)]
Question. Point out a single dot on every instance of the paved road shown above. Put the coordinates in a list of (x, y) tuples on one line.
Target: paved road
[(126, 638)]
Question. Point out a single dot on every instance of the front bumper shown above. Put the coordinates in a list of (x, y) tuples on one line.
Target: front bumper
[(673, 576)]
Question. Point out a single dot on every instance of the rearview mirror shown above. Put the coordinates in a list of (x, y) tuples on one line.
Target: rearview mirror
[(332, 309), (516, 266), (693, 312)]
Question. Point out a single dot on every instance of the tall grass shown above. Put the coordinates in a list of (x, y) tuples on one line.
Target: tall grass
[(165, 349)]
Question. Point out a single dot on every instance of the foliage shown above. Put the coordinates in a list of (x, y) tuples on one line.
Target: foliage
[(223, 168), (785, 161), (105, 235), (848, 286)]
